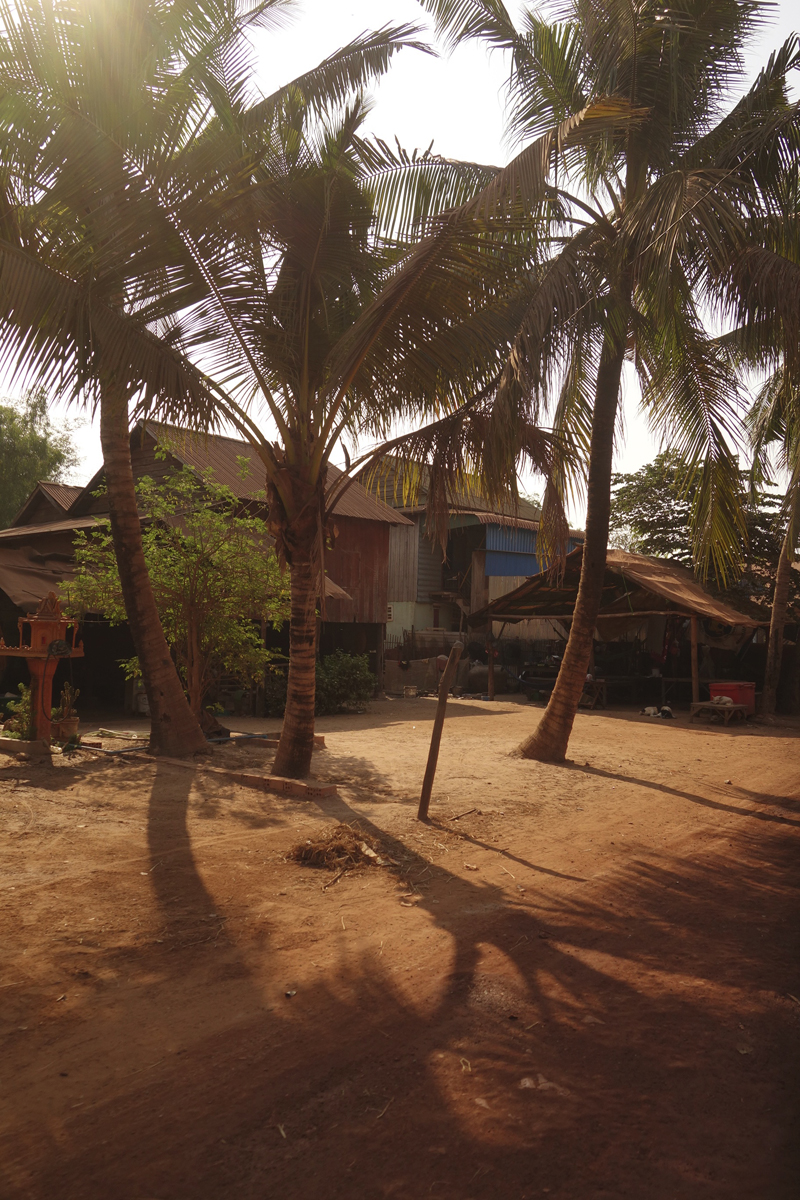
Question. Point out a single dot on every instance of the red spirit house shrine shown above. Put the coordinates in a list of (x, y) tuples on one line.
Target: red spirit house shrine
[(48, 643)]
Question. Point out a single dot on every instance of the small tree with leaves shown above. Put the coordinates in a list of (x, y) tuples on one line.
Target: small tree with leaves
[(214, 574)]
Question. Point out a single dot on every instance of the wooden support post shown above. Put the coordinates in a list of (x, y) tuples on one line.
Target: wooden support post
[(438, 721), (695, 669), (490, 664)]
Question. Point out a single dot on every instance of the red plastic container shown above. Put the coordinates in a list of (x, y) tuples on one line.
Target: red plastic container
[(739, 691)]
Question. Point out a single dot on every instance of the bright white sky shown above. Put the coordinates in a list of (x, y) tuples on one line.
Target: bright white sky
[(456, 101)]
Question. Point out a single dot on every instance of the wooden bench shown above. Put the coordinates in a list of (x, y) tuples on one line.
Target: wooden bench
[(721, 710)]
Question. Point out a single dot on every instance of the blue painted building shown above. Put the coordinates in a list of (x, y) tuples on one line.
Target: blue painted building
[(488, 553)]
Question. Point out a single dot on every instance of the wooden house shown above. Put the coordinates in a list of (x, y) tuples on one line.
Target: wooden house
[(489, 552), (36, 552)]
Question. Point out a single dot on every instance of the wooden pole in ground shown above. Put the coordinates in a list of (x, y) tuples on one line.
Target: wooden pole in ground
[(695, 670), (490, 664), (438, 721)]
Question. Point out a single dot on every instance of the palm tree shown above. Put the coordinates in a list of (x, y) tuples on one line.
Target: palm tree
[(775, 422), (270, 244), (342, 332), (763, 301), (646, 226), (97, 101)]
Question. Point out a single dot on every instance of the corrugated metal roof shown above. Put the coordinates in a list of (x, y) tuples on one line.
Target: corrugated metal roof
[(491, 518), (62, 493), (27, 577), (235, 464), (19, 532)]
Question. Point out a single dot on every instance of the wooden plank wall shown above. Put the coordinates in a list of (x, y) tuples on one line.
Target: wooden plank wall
[(403, 563), (359, 563)]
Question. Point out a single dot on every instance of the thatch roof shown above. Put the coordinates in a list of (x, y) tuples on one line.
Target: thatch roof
[(635, 586)]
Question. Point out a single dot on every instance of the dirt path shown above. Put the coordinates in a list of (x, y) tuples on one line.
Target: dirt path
[(586, 987)]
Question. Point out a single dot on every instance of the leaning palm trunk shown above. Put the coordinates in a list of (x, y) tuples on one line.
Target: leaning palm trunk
[(780, 603), (174, 729), (549, 742)]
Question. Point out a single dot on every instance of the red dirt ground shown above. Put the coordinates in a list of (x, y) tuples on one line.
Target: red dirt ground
[(588, 988)]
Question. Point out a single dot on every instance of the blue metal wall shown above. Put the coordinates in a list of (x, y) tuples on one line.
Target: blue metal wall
[(505, 562), (510, 551), (503, 537)]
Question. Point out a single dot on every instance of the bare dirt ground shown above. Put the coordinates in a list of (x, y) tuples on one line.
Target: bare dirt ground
[(586, 987)]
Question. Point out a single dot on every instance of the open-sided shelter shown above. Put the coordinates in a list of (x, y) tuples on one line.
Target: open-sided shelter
[(651, 600)]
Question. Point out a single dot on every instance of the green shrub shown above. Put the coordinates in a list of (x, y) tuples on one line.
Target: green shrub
[(21, 714), (275, 694), (344, 682)]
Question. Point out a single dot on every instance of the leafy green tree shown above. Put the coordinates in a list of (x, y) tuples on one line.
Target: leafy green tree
[(639, 227), (31, 448), (651, 513), (214, 576)]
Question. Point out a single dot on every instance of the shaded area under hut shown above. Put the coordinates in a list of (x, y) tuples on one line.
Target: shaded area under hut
[(660, 636)]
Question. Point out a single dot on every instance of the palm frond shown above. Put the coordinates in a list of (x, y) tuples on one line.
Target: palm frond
[(472, 455), (342, 74), (54, 331), (407, 190), (462, 20), (692, 402)]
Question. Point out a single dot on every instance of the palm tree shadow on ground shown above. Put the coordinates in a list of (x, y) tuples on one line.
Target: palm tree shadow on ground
[(624, 1015)]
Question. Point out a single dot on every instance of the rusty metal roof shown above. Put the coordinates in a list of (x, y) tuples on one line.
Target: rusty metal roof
[(235, 464), (20, 532), (26, 576), (62, 493)]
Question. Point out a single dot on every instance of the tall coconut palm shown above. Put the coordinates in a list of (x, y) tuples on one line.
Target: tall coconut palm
[(287, 274), (651, 226), (775, 424), (99, 100), (763, 302), (341, 332)]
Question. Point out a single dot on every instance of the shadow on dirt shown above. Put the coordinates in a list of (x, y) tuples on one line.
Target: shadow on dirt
[(792, 803), (568, 1045)]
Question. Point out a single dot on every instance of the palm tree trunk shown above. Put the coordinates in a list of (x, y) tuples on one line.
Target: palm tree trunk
[(780, 604), (293, 759), (174, 730), (549, 742)]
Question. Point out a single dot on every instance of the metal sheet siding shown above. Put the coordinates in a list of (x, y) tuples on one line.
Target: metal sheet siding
[(505, 537), (505, 562), (430, 567), (402, 585)]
